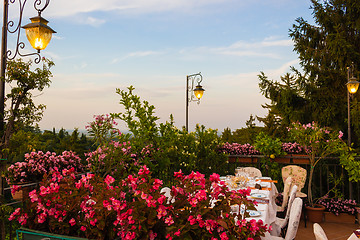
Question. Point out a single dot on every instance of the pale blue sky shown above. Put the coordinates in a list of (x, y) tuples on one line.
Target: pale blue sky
[(153, 44)]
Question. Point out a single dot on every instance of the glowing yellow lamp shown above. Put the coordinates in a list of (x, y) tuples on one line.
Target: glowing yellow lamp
[(199, 91), (352, 85), (38, 33)]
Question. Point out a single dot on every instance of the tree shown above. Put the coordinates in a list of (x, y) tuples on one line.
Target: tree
[(21, 110), (326, 49)]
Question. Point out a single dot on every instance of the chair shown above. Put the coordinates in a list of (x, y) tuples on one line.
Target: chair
[(319, 232), (280, 223), (294, 220), (252, 172), (298, 175), (287, 186)]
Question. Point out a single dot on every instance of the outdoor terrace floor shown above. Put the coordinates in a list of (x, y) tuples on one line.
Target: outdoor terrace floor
[(333, 230)]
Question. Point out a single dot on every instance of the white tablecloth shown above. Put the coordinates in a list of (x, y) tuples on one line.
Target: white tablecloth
[(268, 210)]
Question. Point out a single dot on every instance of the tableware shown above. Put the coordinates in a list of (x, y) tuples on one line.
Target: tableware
[(265, 178), (254, 213), (258, 195)]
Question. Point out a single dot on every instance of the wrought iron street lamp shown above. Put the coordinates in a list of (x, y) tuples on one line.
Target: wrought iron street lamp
[(352, 87), (37, 32), (193, 94)]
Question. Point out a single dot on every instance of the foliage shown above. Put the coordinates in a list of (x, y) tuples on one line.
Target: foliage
[(36, 164), (326, 48), (319, 143), (171, 148), (5, 212), (97, 208), (103, 129), (21, 109), (242, 135), (114, 158), (268, 146)]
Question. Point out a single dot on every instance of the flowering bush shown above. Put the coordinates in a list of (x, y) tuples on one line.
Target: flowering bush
[(238, 149), (320, 142), (338, 205), (97, 208), (36, 164), (114, 158)]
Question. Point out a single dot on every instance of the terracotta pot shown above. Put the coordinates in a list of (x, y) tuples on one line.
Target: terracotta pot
[(22, 193), (315, 214)]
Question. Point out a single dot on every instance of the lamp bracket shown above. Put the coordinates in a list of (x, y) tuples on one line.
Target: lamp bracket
[(12, 28), (197, 77)]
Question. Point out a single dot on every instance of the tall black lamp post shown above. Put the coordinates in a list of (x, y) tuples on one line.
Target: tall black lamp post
[(38, 34), (352, 87), (193, 94)]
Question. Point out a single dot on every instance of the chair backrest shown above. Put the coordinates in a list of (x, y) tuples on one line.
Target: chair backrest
[(319, 232), (287, 185), (297, 173), (252, 172), (290, 203), (294, 219)]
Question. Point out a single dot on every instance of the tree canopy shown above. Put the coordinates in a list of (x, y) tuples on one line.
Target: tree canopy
[(317, 92)]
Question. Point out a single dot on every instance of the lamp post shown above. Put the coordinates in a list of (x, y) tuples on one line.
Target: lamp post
[(193, 94), (37, 32), (352, 87)]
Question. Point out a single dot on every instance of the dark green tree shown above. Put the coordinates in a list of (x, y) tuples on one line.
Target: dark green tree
[(317, 92)]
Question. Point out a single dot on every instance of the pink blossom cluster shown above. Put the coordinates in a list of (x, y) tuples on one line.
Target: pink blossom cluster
[(102, 122), (134, 207), (292, 148), (238, 149), (36, 164), (338, 205)]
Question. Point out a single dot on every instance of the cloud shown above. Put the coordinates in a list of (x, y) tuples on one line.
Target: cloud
[(95, 22), (69, 8), (266, 48), (136, 55)]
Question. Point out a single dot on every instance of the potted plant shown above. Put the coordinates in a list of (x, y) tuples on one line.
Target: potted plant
[(319, 142), (94, 207)]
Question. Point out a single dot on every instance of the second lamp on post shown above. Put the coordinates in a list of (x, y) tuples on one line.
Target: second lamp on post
[(193, 94), (352, 87)]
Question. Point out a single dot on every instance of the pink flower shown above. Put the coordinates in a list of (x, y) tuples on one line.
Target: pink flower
[(169, 220), (223, 236), (340, 134), (109, 180), (72, 222), (83, 228)]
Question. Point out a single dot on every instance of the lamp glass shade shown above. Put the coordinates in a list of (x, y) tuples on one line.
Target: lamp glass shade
[(38, 33), (199, 91), (352, 86)]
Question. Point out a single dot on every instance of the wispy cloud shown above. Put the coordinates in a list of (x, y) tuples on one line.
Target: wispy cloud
[(136, 55), (68, 7)]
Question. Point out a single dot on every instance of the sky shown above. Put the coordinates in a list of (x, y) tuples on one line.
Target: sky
[(153, 45)]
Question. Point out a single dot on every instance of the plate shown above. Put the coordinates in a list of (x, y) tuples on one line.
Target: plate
[(258, 195), (253, 213), (265, 178)]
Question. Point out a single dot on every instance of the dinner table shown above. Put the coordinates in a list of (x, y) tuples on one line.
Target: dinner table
[(263, 192)]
